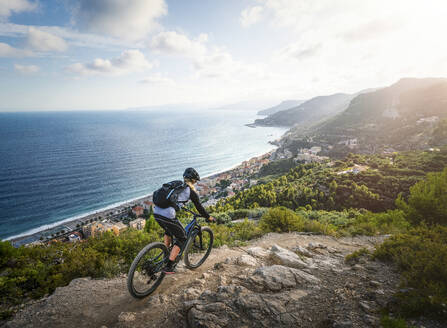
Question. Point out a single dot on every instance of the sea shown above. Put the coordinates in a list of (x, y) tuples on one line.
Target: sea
[(59, 166)]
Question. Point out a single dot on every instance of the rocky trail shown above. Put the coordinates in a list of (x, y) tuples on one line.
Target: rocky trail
[(279, 280)]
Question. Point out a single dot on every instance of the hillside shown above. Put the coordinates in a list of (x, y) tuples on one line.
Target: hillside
[(309, 112), (284, 105), (375, 185), (265, 281), (406, 115), (309, 279)]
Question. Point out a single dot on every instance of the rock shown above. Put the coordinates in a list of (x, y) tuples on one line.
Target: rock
[(374, 283), (223, 280), (371, 320), (219, 266), (277, 277), (180, 268), (313, 246), (206, 275), (343, 324), (258, 251), (198, 282), (333, 250), (246, 260), (380, 292), (189, 304), (229, 260), (126, 317), (365, 306), (225, 292), (285, 257), (191, 293), (213, 315), (302, 250), (357, 267)]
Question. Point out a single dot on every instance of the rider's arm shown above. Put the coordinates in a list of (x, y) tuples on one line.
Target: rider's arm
[(195, 199)]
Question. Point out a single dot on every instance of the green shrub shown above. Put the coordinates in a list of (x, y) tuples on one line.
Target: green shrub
[(421, 255), (281, 219), (369, 224), (355, 256), (221, 218), (243, 213), (247, 230), (223, 235), (428, 200), (239, 214), (388, 322)]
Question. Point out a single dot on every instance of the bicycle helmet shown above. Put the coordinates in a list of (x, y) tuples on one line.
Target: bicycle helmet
[(191, 174)]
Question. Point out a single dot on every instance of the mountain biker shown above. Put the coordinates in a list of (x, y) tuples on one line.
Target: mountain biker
[(166, 218)]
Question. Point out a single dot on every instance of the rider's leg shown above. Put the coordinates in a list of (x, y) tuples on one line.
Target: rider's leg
[(174, 253), (167, 240)]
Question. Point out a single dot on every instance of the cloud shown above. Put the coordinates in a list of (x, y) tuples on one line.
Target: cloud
[(250, 16), (7, 51), (217, 64), (371, 30), (43, 41), (207, 61), (7, 7), (26, 69), (129, 20), (128, 62), (298, 51), (70, 36), (174, 43), (158, 79)]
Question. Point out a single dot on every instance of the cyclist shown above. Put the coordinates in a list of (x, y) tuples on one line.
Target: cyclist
[(166, 218)]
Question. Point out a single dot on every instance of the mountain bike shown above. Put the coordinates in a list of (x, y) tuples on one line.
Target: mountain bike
[(146, 272)]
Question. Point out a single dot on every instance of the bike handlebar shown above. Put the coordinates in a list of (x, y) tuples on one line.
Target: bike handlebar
[(193, 213)]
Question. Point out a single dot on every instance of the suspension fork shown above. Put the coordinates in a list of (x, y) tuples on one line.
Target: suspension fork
[(200, 239)]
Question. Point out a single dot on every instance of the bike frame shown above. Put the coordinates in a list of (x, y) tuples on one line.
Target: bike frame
[(192, 228)]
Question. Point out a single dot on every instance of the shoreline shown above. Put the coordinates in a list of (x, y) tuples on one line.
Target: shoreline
[(71, 223)]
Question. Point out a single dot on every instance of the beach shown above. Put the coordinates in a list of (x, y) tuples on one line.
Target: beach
[(116, 212)]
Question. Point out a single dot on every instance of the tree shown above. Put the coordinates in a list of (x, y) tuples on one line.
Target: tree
[(427, 201)]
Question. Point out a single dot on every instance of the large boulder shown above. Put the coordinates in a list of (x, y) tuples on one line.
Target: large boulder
[(235, 306), (283, 256), (246, 260), (278, 277), (258, 251)]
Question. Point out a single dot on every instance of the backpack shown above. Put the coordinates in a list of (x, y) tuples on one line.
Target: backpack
[(167, 195)]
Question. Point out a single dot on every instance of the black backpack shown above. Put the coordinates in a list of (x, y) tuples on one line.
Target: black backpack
[(167, 195)]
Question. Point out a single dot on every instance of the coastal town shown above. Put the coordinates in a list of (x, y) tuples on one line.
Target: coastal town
[(133, 215)]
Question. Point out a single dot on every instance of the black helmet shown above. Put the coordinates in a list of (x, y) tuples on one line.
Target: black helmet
[(191, 174)]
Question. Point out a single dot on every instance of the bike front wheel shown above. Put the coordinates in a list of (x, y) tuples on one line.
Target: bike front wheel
[(145, 273), (198, 248)]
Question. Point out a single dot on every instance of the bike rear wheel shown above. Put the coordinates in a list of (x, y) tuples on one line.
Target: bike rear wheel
[(145, 273), (198, 248)]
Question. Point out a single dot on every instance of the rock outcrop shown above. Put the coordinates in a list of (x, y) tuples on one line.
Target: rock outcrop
[(280, 280)]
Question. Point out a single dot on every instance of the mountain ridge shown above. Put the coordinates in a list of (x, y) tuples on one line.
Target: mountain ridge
[(284, 105), (309, 112)]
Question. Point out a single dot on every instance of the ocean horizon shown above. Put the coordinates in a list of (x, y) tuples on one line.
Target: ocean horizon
[(56, 167)]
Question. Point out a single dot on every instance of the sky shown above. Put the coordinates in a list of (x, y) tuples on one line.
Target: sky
[(116, 54)]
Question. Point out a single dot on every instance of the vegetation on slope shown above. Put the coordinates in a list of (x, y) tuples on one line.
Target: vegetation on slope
[(297, 201), (322, 188)]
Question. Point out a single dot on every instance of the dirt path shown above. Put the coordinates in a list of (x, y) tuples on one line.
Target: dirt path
[(107, 303)]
